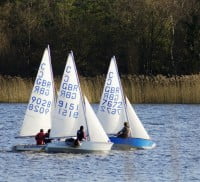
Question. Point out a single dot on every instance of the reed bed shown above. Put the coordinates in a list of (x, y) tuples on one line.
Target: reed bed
[(139, 89), (15, 89)]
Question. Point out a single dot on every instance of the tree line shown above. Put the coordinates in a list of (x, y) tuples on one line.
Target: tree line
[(147, 37)]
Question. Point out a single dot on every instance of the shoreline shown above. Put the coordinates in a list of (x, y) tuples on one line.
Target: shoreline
[(139, 89)]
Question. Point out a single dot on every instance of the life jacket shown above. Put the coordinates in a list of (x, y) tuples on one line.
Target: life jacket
[(40, 138), (46, 138), (125, 132), (80, 135), (46, 135)]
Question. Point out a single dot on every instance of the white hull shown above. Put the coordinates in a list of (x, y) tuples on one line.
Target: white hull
[(85, 147), (33, 147)]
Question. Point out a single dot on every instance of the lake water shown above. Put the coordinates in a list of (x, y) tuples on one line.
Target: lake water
[(174, 128)]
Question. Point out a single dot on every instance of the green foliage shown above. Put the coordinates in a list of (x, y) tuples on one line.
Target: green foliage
[(147, 37)]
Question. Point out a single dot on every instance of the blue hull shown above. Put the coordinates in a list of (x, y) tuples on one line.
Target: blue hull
[(127, 143)]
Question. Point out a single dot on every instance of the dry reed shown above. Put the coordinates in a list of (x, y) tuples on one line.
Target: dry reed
[(139, 89)]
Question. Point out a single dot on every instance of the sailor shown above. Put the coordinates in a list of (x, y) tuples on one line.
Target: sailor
[(124, 132), (80, 136), (46, 137), (40, 137)]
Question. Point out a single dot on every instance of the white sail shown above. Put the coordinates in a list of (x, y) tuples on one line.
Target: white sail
[(68, 115), (111, 111), (137, 129), (41, 102), (114, 111), (95, 129)]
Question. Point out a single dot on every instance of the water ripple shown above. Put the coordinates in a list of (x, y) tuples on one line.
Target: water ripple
[(175, 129)]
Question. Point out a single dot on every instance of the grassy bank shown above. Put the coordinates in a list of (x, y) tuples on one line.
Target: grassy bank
[(139, 89)]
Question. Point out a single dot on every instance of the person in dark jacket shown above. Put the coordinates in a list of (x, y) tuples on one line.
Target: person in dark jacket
[(46, 137), (124, 132), (40, 137), (80, 136)]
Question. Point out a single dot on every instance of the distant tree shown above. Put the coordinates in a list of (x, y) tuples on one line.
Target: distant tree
[(147, 37)]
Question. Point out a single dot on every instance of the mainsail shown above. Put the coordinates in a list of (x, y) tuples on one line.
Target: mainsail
[(68, 115), (111, 110), (41, 102)]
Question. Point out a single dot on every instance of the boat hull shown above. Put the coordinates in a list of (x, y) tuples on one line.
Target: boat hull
[(85, 147), (32, 147), (131, 143)]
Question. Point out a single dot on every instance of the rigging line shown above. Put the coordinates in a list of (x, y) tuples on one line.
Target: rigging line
[(52, 78), (81, 94)]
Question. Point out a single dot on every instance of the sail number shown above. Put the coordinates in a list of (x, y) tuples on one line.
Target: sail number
[(69, 94), (111, 101), (67, 109), (39, 105), (111, 107), (111, 104), (42, 86)]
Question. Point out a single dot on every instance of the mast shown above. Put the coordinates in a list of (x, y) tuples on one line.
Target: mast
[(81, 95), (52, 78), (123, 97)]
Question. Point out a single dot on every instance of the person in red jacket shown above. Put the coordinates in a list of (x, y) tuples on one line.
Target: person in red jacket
[(40, 137)]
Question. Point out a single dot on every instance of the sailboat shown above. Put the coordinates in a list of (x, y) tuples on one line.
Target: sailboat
[(41, 103), (72, 111), (115, 109)]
